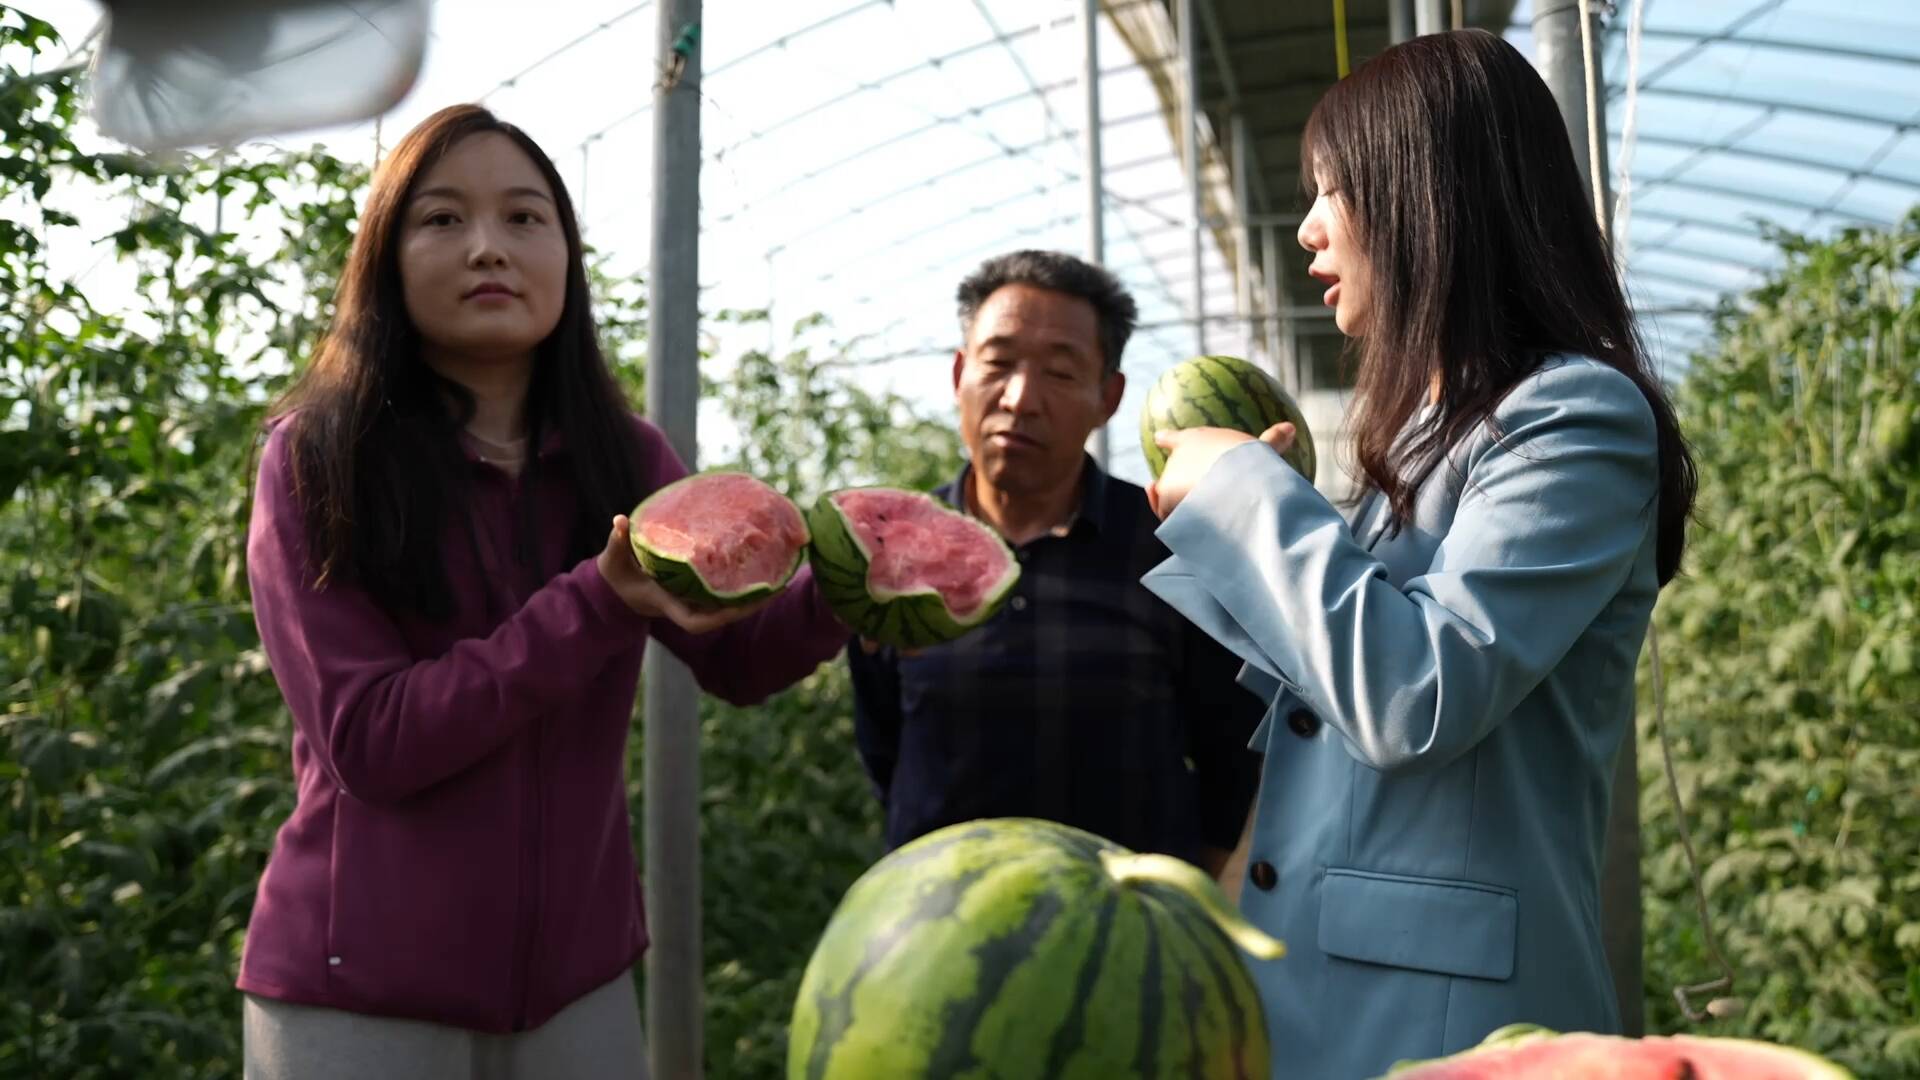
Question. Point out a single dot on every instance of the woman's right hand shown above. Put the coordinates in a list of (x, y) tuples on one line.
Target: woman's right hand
[(646, 596)]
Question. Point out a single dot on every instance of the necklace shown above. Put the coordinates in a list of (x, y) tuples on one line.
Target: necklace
[(512, 452)]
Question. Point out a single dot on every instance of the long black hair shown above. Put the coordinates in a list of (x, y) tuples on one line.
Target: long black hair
[(374, 449), (1453, 164)]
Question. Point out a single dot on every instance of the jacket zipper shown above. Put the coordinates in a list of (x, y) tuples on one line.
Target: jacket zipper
[(528, 910), (530, 866), (532, 854)]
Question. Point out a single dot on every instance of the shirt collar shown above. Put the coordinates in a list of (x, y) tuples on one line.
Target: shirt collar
[(551, 443), (1093, 494)]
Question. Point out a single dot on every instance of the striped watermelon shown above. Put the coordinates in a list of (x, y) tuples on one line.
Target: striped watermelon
[(1222, 391), (1013, 948), (1532, 1052), (903, 569), (719, 538)]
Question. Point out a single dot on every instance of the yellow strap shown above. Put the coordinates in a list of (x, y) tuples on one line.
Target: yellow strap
[(1340, 35)]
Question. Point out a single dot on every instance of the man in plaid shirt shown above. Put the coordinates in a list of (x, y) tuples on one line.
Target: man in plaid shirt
[(1086, 700)]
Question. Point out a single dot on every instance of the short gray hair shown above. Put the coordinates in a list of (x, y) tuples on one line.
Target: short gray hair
[(1113, 307)]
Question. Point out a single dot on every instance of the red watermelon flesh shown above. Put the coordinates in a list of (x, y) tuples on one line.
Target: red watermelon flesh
[(735, 531), (912, 544), (1577, 1056)]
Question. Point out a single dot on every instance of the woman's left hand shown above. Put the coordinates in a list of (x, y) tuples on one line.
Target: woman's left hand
[(1192, 451), (648, 598)]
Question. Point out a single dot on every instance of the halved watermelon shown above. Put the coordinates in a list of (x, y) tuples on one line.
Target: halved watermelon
[(719, 538), (1531, 1052), (903, 569)]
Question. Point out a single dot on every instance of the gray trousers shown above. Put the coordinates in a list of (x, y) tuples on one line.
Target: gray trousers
[(597, 1036)]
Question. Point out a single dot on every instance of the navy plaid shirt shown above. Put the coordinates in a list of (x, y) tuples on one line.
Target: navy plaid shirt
[(1086, 700)]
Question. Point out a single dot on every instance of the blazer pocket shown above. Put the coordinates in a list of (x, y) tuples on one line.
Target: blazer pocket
[(1443, 925)]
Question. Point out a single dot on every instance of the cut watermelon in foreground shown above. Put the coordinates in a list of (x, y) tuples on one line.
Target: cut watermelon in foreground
[(719, 537), (1021, 948), (1530, 1052), (903, 569)]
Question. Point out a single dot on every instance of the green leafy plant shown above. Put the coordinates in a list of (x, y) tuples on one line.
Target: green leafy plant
[(1792, 696), (143, 744), (145, 761)]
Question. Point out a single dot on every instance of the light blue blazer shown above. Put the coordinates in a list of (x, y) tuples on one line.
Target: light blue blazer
[(1446, 707)]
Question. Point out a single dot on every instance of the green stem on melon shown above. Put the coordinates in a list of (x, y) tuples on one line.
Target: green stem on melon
[(1127, 868)]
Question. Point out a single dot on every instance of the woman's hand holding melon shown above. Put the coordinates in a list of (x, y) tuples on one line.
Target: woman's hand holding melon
[(1192, 451), (646, 597)]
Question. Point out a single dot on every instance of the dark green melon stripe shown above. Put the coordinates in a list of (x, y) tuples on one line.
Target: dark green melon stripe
[(836, 1010), (1215, 952), (839, 594), (918, 629), (879, 622), (998, 958), (842, 568), (677, 578), (912, 621), (1245, 1012), (1211, 374), (1229, 386), (1193, 998), (673, 575), (903, 862), (1189, 960), (1191, 992), (1152, 1002), (1165, 409), (1191, 413), (896, 620), (1071, 1035), (1257, 386), (852, 608), (850, 585)]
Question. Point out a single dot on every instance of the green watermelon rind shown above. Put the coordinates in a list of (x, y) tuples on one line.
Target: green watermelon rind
[(1514, 1036), (1017, 946), (1227, 392), (910, 620), (679, 577)]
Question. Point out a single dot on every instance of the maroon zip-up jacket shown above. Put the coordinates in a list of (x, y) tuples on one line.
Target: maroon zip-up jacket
[(460, 850)]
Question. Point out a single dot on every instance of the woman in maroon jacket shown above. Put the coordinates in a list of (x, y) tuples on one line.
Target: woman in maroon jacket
[(458, 637)]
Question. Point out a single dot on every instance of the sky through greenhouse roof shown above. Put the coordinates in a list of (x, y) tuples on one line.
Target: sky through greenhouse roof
[(862, 155)]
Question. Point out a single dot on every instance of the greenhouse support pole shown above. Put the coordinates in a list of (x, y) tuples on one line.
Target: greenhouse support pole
[(1399, 20), (1561, 60), (1559, 56), (1430, 16), (1190, 144), (1098, 443), (671, 791), (1242, 232)]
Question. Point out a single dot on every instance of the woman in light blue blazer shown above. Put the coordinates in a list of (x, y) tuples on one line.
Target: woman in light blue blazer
[(1451, 672)]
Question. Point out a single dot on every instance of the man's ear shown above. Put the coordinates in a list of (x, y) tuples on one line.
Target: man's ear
[(959, 363), (1112, 391)]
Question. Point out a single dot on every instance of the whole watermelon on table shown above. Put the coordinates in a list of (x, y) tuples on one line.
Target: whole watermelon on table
[(719, 538), (1224, 392), (1531, 1052), (1016, 949), (904, 569)]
